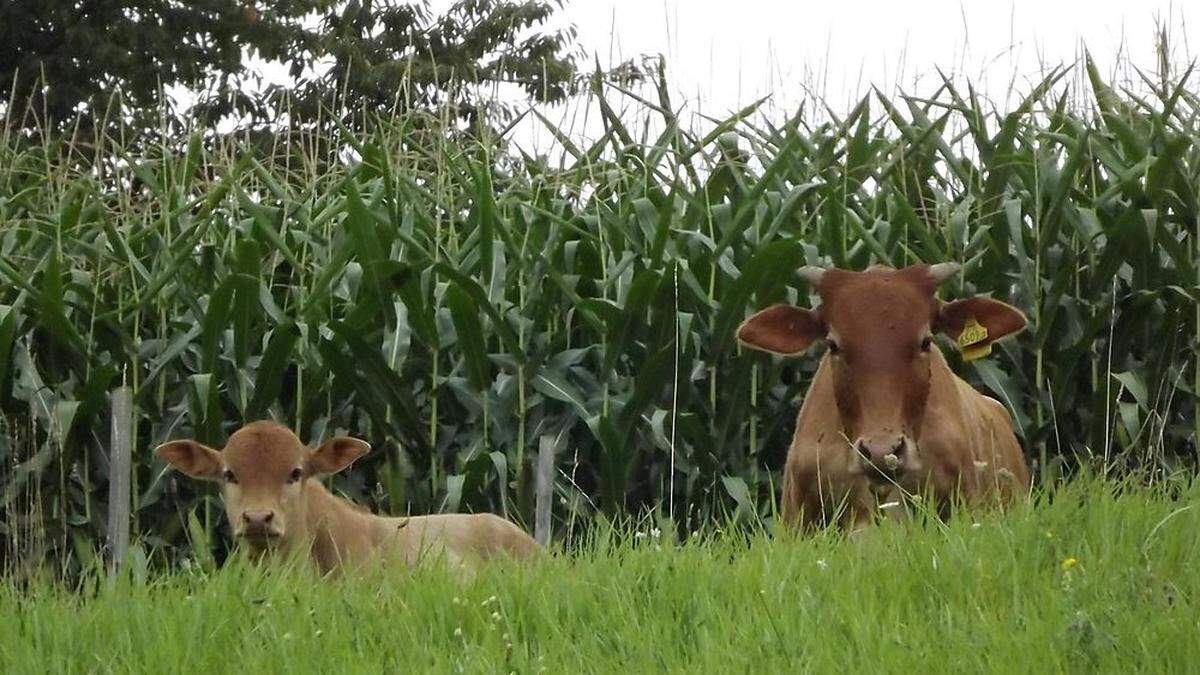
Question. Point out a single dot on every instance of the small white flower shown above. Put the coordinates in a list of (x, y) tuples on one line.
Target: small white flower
[(639, 535), (495, 616), (976, 526), (458, 632), (822, 564), (980, 466), (656, 533)]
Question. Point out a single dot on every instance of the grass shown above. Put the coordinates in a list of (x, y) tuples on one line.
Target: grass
[(1094, 577)]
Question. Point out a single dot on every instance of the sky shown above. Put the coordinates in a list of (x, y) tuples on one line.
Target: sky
[(730, 52), (724, 54)]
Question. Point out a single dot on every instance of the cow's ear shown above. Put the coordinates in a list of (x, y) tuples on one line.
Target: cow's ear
[(978, 321), (781, 329), (194, 459), (335, 454)]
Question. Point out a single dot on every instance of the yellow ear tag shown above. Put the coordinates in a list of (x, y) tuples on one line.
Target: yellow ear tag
[(970, 339)]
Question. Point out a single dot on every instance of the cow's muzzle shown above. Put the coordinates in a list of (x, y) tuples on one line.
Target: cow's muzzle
[(884, 459), (259, 527)]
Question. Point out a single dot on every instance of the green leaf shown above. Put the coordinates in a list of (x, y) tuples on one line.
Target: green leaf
[(736, 488), (465, 315), (1134, 385), (268, 381)]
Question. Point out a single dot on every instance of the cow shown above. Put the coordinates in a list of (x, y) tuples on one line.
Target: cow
[(274, 505), (885, 418)]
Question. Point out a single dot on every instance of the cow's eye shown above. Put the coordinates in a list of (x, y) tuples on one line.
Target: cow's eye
[(230, 477), (926, 343), (833, 347), (296, 475)]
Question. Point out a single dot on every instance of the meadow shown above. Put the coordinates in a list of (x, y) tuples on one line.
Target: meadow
[(1098, 576)]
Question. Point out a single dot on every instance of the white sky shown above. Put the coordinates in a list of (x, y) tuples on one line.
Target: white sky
[(732, 51), (723, 54)]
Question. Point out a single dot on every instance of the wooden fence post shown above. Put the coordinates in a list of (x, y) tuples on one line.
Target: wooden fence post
[(118, 476), (545, 489)]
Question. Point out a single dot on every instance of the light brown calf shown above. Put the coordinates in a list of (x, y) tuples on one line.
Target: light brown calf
[(885, 417), (272, 505)]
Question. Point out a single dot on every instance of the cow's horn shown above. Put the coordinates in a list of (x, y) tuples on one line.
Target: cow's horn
[(812, 274), (943, 271)]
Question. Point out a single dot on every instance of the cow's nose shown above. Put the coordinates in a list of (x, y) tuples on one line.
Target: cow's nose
[(884, 455), (258, 521)]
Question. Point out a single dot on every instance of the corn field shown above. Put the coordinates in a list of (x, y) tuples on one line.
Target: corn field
[(458, 303)]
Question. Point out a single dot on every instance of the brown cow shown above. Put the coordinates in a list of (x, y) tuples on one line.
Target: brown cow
[(885, 417), (272, 504)]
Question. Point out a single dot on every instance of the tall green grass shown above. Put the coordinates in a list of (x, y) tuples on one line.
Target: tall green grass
[(454, 300), (1097, 579)]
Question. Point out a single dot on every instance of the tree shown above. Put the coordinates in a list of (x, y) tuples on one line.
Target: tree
[(389, 55), (62, 58), (59, 58)]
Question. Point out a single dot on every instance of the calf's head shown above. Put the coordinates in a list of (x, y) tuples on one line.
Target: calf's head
[(878, 329), (262, 469)]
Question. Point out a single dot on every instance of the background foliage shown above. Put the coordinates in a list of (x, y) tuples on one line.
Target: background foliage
[(109, 65), (455, 301)]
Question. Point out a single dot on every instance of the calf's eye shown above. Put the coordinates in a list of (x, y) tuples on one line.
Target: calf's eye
[(926, 343), (832, 347), (296, 475), (229, 476)]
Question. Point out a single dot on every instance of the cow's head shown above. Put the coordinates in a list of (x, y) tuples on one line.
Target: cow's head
[(878, 328), (262, 469)]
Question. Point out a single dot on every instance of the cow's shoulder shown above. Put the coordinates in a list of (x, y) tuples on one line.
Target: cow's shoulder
[(992, 412)]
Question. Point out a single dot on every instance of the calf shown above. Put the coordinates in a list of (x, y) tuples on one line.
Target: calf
[(885, 417), (271, 504)]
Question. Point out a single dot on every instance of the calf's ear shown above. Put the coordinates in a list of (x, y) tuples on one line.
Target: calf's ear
[(978, 321), (194, 459), (335, 454), (781, 329)]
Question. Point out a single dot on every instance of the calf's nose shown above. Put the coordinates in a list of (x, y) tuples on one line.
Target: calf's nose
[(257, 521)]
